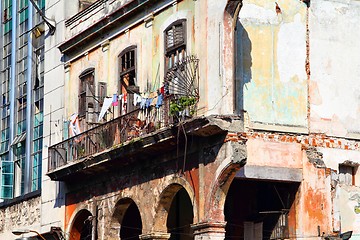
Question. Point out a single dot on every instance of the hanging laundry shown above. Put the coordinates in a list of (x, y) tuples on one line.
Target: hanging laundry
[(74, 126), (159, 101), (115, 100), (153, 102), (137, 99), (148, 102), (142, 103), (124, 104), (106, 105)]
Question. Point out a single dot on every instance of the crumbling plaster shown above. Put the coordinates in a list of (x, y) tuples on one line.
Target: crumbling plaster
[(273, 92), (150, 74), (335, 70), (346, 199), (148, 190)]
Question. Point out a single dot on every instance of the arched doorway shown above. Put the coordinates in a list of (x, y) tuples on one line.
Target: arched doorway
[(82, 226), (126, 220), (180, 217), (259, 209), (131, 225)]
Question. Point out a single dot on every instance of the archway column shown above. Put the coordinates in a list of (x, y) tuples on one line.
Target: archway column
[(155, 236), (209, 230)]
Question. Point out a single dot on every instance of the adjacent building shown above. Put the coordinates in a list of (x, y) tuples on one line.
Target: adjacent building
[(22, 94), (180, 119)]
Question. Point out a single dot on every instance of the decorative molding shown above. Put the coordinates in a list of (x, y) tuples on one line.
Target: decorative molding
[(208, 227)]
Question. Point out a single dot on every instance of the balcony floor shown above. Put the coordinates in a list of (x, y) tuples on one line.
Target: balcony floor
[(135, 151)]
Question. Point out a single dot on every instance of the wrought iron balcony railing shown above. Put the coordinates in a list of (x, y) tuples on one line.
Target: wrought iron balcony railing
[(105, 136), (134, 124)]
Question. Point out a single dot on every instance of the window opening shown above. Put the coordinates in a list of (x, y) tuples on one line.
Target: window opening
[(347, 174), (86, 110), (128, 85), (175, 43)]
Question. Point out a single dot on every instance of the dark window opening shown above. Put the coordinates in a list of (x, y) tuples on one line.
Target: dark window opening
[(128, 85), (347, 174), (86, 92), (175, 43), (102, 92)]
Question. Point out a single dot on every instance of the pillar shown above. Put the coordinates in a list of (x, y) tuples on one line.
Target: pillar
[(155, 236), (209, 230)]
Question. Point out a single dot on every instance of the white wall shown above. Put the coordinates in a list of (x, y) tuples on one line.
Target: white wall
[(335, 67)]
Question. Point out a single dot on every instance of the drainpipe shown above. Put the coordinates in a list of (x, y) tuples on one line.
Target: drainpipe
[(28, 163), (239, 4), (94, 220)]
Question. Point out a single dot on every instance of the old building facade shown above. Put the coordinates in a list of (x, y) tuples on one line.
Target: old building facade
[(193, 119)]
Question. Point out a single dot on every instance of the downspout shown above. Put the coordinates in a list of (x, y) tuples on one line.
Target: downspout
[(239, 5), (29, 107), (13, 87), (307, 66), (94, 220)]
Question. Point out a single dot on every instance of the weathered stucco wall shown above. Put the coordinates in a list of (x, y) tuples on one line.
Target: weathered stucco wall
[(271, 49), (314, 203), (335, 67), (148, 38), (152, 187), (274, 154), (346, 198)]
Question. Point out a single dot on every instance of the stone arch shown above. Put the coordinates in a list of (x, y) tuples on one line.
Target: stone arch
[(165, 201), (120, 214), (215, 204), (80, 227)]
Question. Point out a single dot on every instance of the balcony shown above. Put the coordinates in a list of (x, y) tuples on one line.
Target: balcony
[(139, 135), (121, 142)]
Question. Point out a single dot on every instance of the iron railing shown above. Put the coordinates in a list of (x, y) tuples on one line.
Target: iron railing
[(281, 229), (119, 130), (134, 124)]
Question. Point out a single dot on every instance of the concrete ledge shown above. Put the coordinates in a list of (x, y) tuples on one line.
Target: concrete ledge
[(270, 173), (278, 128)]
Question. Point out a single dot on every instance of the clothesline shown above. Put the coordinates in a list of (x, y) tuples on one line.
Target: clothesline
[(144, 102)]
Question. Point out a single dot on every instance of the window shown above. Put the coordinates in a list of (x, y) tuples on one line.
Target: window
[(38, 118), (347, 174), (86, 90), (19, 168), (7, 177), (175, 43), (128, 86), (5, 111), (87, 98), (101, 93)]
